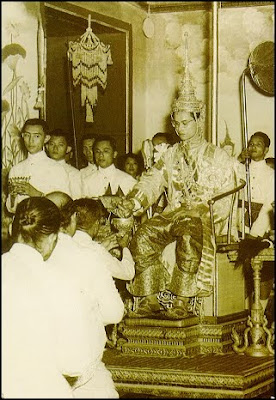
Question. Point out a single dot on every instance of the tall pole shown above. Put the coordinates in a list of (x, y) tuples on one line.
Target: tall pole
[(214, 112), (245, 139), (215, 73), (72, 110), (40, 100)]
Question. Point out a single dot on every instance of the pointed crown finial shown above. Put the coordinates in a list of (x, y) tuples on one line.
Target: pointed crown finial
[(186, 101)]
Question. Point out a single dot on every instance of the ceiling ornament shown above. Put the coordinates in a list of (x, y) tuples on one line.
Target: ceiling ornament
[(90, 58)]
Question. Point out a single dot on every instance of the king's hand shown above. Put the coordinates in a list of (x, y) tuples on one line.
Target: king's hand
[(124, 208)]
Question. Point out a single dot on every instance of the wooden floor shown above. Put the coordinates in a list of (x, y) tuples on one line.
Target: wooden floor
[(203, 376)]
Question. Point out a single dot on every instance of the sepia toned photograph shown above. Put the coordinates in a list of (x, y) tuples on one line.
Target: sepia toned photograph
[(138, 200)]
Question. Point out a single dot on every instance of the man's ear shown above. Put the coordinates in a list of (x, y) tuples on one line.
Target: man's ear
[(52, 238), (115, 154), (69, 148), (10, 228), (74, 218), (266, 150), (47, 138)]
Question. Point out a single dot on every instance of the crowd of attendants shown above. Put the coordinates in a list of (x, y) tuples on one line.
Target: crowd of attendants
[(57, 260), (60, 147)]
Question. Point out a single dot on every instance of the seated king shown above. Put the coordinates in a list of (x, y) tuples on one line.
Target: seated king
[(192, 172)]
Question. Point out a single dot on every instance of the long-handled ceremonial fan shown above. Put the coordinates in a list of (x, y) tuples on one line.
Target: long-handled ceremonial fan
[(261, 69)]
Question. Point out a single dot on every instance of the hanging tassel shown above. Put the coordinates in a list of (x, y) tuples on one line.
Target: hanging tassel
[(89, 113)]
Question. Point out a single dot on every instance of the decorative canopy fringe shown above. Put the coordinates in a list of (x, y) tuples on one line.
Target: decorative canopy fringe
[(90, 58)]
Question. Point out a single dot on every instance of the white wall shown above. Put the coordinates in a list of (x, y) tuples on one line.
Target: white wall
[(157, 62), (241, 30)]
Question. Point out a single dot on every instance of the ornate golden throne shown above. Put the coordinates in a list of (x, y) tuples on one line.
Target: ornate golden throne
[(208, 328)]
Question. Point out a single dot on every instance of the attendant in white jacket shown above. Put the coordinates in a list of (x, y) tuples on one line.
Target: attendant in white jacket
[(38, 174), (30, 367), (107, 176), (58, 147), (262, 180), (82, 272), (89, 216), (87, 142)]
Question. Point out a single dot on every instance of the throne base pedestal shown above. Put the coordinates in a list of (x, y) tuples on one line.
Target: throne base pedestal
[(191, 358), (204, 376), (182, 338)]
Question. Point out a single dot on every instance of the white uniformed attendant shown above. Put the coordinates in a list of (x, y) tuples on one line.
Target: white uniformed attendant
[(94, 302), (261, 183), (41, 174), (87, 149), (89, 215), (123, 269), (88, 170), (262, 191), (30, 366), (58, 147), (107, 174)]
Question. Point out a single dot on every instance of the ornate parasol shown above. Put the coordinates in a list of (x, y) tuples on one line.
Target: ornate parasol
[(90, 58), (261, 70)]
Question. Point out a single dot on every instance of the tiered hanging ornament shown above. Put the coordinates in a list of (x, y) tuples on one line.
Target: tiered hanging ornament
[(90, 58)]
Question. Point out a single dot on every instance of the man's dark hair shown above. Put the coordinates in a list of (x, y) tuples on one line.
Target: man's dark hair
[(163, 134), (88, 136), (106, 138), (263, 136), (195, 115), (88, 212), (61, 133), (36, 121)]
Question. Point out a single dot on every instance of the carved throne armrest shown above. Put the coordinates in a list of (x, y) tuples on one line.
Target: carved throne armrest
[(221, 245)]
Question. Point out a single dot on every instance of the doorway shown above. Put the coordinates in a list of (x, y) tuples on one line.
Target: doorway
[(112, 114)]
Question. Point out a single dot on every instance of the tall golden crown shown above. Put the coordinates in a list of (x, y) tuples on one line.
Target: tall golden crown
[(186, 101)]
